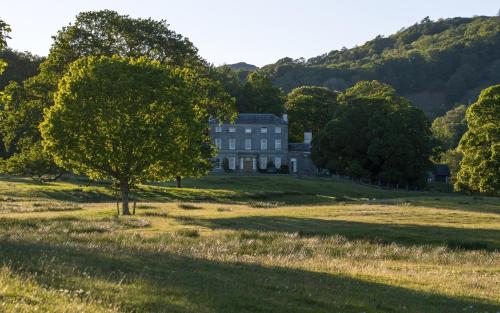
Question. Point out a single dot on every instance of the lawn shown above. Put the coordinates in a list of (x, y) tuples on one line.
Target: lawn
[(246, 244)]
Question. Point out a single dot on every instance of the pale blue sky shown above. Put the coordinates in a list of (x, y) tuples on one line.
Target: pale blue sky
[(256, 31)]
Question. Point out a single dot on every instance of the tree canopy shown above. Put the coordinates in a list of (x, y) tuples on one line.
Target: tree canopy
[(21, 65), (258, 95), (309, 108), (95, 33), (377, 135), (449, 128), (480, 145), (4, 34), (128, 119)]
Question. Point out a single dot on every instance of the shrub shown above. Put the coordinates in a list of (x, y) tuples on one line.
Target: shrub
[(188, 232), (187, 206)]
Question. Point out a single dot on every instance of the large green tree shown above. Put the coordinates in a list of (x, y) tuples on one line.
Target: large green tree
[(96, 33), (309, 108), (378, 135), (127, 119), (480, 145), (258, 95)]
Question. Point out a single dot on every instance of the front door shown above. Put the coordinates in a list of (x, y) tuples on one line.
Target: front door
[(294, 165), (247, 164)]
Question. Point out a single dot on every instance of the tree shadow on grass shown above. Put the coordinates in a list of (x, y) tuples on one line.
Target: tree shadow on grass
[(141, 281), (455, 238)]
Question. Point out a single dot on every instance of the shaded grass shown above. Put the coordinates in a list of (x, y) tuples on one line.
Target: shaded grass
[(452, 237), (284, 190), (148, 276), (188, 206), (318, 246)]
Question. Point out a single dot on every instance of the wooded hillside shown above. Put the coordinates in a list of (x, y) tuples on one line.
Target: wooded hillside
[(436, 64)]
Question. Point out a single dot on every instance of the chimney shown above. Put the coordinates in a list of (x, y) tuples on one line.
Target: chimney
[(285, 117), (308, 137)]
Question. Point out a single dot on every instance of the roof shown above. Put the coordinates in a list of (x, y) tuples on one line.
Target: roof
[(442, 170), (257, 118), (305, 147)]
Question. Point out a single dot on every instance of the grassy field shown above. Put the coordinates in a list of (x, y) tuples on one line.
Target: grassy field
[(246, 244)]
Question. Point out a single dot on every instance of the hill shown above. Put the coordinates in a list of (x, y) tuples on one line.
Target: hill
[(436, 64), (246, 244), (242, 66)]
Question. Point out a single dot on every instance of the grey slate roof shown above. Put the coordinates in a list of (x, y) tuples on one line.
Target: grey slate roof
[(305, 147), (257, 118), (442, 170)]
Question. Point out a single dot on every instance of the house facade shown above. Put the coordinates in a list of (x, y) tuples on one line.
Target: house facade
[(255, 142)]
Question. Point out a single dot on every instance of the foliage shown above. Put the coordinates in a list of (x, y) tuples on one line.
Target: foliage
[(452, 158), (109, 33), (309, 108), (376, 134), (93, 33), (480, 166), (258, 95), (129, 119), (449, 129), (22, 65), (34, 162), (4, 34), (450, 58)]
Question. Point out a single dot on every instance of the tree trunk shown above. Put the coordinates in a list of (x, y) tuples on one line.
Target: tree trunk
[(117, 200), (125, 190), (178, 179)]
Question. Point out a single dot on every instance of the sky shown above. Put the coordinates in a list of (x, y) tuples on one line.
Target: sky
[(258, 32)]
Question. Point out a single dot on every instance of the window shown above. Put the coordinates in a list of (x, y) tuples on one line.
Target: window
[(263, 144), (277, 162), (263, 130), (277, 144), (248, 130), (218, 143), (277, 130), (308, 137), (232, 163), (232, 129), (218, 129), (263, 163), (218, 164), (248, 144), (232, 144)]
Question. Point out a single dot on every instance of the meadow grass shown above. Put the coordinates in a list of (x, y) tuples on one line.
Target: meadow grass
[(247, 244)]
